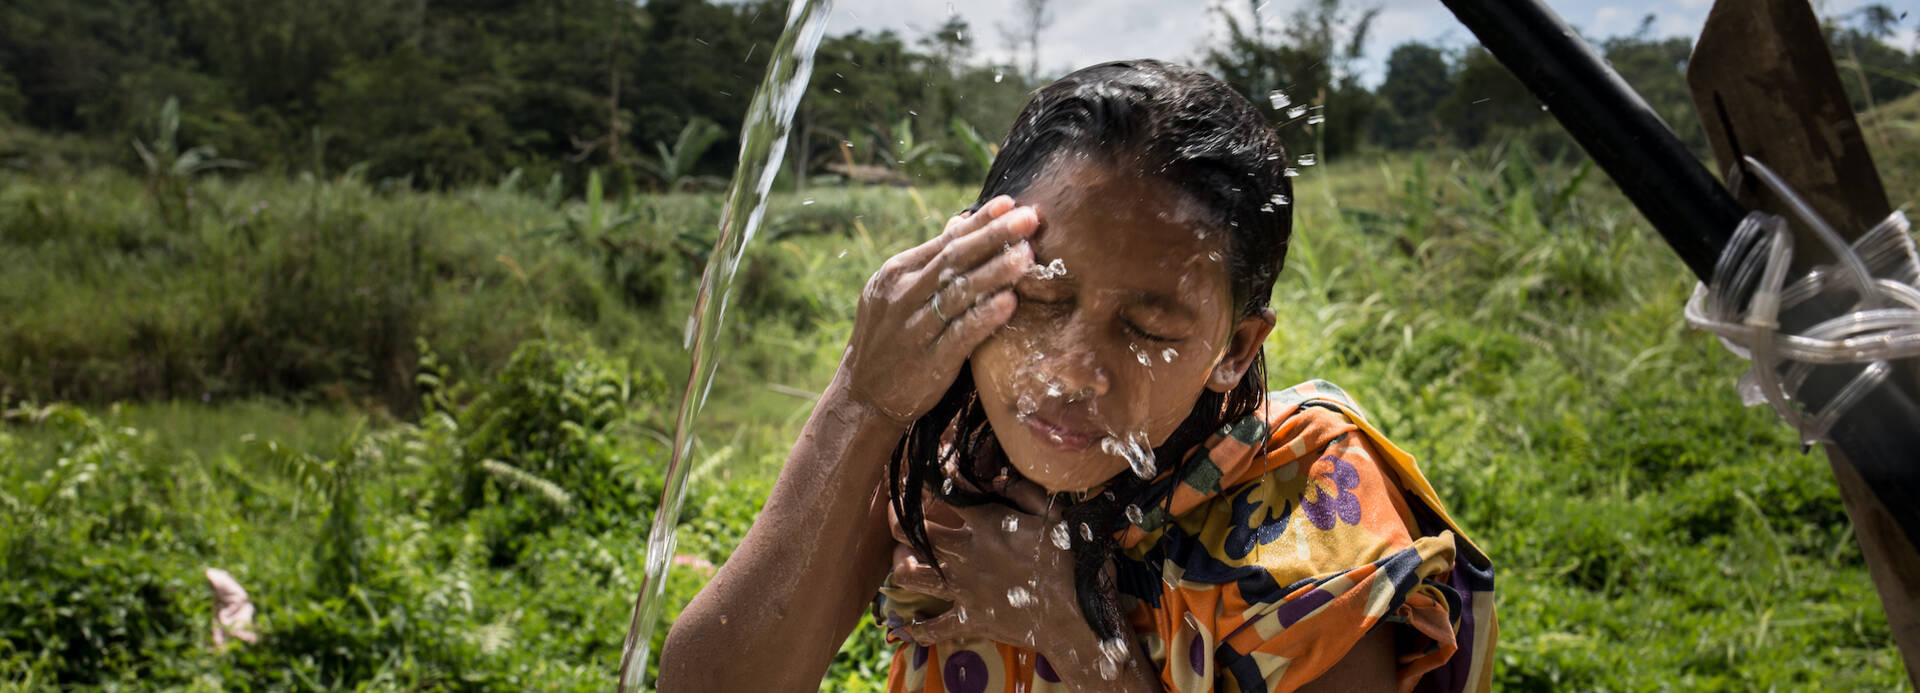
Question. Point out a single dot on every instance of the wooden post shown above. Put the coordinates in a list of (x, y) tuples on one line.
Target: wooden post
[(1764, 83)]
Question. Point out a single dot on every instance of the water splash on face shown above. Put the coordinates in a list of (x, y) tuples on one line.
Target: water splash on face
[(1057, 268), (1135, 449), (1113, 651), (1060, 537), (1018, 597), (946, 487), (1167, 355), (1134, 515), (1010, 524)]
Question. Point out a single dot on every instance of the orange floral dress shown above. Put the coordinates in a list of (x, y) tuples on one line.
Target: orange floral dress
[(1297, 531)]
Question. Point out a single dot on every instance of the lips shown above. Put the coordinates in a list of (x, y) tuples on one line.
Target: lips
[(1060, 436)]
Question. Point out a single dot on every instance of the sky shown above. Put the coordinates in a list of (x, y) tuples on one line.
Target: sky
[(1091, 31)]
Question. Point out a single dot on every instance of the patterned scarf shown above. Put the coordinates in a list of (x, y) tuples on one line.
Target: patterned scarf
[(1265, 565)]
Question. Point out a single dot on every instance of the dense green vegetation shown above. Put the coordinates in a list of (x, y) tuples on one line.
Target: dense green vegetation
[(382, 312), (460, 504), (446, 93)]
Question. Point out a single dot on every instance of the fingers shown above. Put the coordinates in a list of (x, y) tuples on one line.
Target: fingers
[(961, 224), (965, 223), (942, 628), (976, 247), (912, 574), (999, 272), (974, 326)]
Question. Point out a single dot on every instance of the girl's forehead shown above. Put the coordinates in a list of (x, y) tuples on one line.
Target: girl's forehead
[(1141, 238)]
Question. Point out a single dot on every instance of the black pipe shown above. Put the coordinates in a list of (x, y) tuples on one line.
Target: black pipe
[(1681, 198), (1693, 211)]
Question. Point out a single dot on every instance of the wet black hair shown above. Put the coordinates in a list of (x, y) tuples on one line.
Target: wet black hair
[(1182, 127)]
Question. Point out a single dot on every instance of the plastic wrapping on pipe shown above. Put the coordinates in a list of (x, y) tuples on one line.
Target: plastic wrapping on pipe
[(1877, 274)]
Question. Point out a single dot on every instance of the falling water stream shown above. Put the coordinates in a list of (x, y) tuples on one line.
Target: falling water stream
[(763, 141)]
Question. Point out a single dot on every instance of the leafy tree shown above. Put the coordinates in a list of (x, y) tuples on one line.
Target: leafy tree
[(1030, 19), (1486, 99), (949, 45), (1415, 84), (1312, 62)]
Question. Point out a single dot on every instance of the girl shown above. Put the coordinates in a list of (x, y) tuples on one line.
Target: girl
[(1074, 480)]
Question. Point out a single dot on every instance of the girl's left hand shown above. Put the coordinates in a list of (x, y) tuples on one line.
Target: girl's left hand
[(1007, 580)]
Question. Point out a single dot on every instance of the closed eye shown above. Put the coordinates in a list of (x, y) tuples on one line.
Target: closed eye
[(1149, 336)]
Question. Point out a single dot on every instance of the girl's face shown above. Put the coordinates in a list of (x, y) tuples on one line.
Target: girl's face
[(1103, 361)]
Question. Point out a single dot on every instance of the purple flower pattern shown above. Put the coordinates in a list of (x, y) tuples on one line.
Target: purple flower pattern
[(1340, 505)]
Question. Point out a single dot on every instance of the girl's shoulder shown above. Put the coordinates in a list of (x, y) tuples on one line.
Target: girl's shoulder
[(1303, 486)]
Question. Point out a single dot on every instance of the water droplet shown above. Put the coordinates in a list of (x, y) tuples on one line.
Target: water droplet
[(1296, 111), (997, 77), (1018, 597), (960, 612), (806, 202), (1308, 159), (1141, 356), (1010, 524), (842, 254), (1086, 533), (1026, 404), (1291, 172), (1135, 450), (1134, 515), (1316, 119), (1113, 651), (946, 487), (1059, 536), (1213, 255), (1280, 200), (1543, 107), (1168, 354), (1279, 99)]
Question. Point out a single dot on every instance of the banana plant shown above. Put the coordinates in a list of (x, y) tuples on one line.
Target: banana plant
[(170, 171), (978, 150), (673, 167), (917, 158)]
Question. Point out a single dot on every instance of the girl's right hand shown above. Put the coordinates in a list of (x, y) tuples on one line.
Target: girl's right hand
[(927, 308)]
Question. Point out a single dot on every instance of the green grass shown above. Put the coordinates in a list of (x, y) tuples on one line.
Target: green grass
[(1507, 318)]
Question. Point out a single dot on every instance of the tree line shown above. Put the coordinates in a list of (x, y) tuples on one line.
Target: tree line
[(445, 92)]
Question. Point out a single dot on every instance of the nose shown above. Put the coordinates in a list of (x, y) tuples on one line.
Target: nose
[(1073, 366)]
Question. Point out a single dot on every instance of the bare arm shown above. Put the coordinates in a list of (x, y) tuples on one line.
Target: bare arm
[(781, 605), (778, 610), (1369, 666)]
